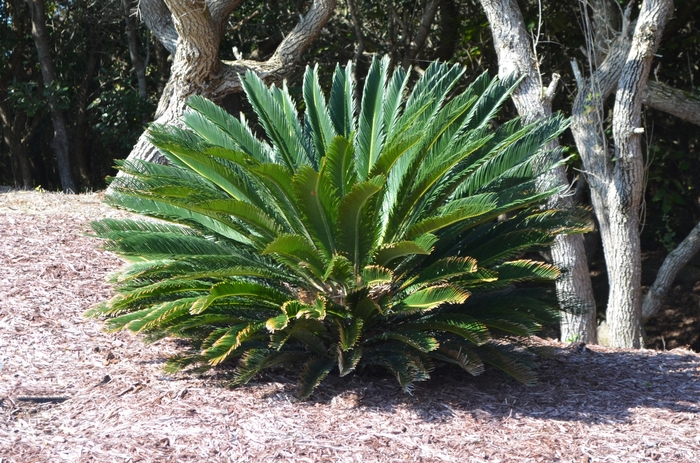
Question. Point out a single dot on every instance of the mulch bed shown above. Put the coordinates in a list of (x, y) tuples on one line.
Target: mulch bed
[(71, 392)]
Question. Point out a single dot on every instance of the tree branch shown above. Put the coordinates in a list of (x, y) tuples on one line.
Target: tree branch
[(221, 9), (285, 57), (158, 19), (672, 101), (674, 263)]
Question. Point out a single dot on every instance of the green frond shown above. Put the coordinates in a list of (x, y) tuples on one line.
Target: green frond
[(302, 332), (339, 269), (526, 270), (445, 270), (298, 248), (406, 367), (239, 288), (348, 360), (317, 202), (312, 373), (175, 210), (121, 321), (459, 353), (462, 325), (393, 99), (373, 275), (277, 122), (209, 131), (342, 101), (455, 212), (178, 363), (277, 323), (247, 213), (508, 361), (349, 333), (320, 125), (355, 238), (237, 130), (231, 340), (433, 296), (256, 360), (420, 340), (393, 251), (371, 131), (339, 166)]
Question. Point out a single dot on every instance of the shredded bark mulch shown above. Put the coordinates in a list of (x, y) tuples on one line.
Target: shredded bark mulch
[(71, 392)]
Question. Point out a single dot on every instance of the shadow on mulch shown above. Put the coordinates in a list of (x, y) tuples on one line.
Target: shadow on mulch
[(589, 384)]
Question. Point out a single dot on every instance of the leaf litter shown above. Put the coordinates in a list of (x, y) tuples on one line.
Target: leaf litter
[(71, 392)]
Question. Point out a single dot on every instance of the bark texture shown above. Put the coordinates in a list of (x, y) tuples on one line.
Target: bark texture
[(191, 30), (48, 73), (516, 56), (616, 176)]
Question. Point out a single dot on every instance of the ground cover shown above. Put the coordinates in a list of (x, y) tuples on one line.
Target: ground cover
[(106, 398)]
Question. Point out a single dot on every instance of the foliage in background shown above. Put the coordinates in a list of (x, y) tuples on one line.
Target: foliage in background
[(361, 234)]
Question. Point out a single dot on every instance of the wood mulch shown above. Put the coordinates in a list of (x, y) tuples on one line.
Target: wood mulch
[(109, 400)]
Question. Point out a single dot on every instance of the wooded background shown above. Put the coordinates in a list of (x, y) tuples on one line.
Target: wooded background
[(80, 80)]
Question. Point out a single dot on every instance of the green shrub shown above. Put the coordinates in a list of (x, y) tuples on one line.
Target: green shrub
[(356, 236)]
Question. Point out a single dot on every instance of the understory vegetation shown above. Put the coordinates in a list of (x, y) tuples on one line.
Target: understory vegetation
[(387, 232)]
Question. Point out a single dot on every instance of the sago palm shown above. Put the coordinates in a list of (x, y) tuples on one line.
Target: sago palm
[(385, 233)]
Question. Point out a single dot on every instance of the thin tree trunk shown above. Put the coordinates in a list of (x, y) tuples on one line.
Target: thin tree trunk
[(60, 138), (418, 42), (516, 56), (450, 21), (359, 35), (136, 59)]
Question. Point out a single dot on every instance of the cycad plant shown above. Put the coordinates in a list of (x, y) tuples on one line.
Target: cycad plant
[(381, 234)]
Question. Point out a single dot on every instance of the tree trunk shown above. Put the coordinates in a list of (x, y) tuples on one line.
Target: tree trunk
[(617, 178), (11, 129), (81, 127), (426, 21), (516, 56), (450, 22), (60, 136), (191, 31), (136, 59)]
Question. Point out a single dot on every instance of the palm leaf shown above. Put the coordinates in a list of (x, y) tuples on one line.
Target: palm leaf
[(312, 373), (318, 120), (353, 239), (371, 131), (342, 101), (279, 125)]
